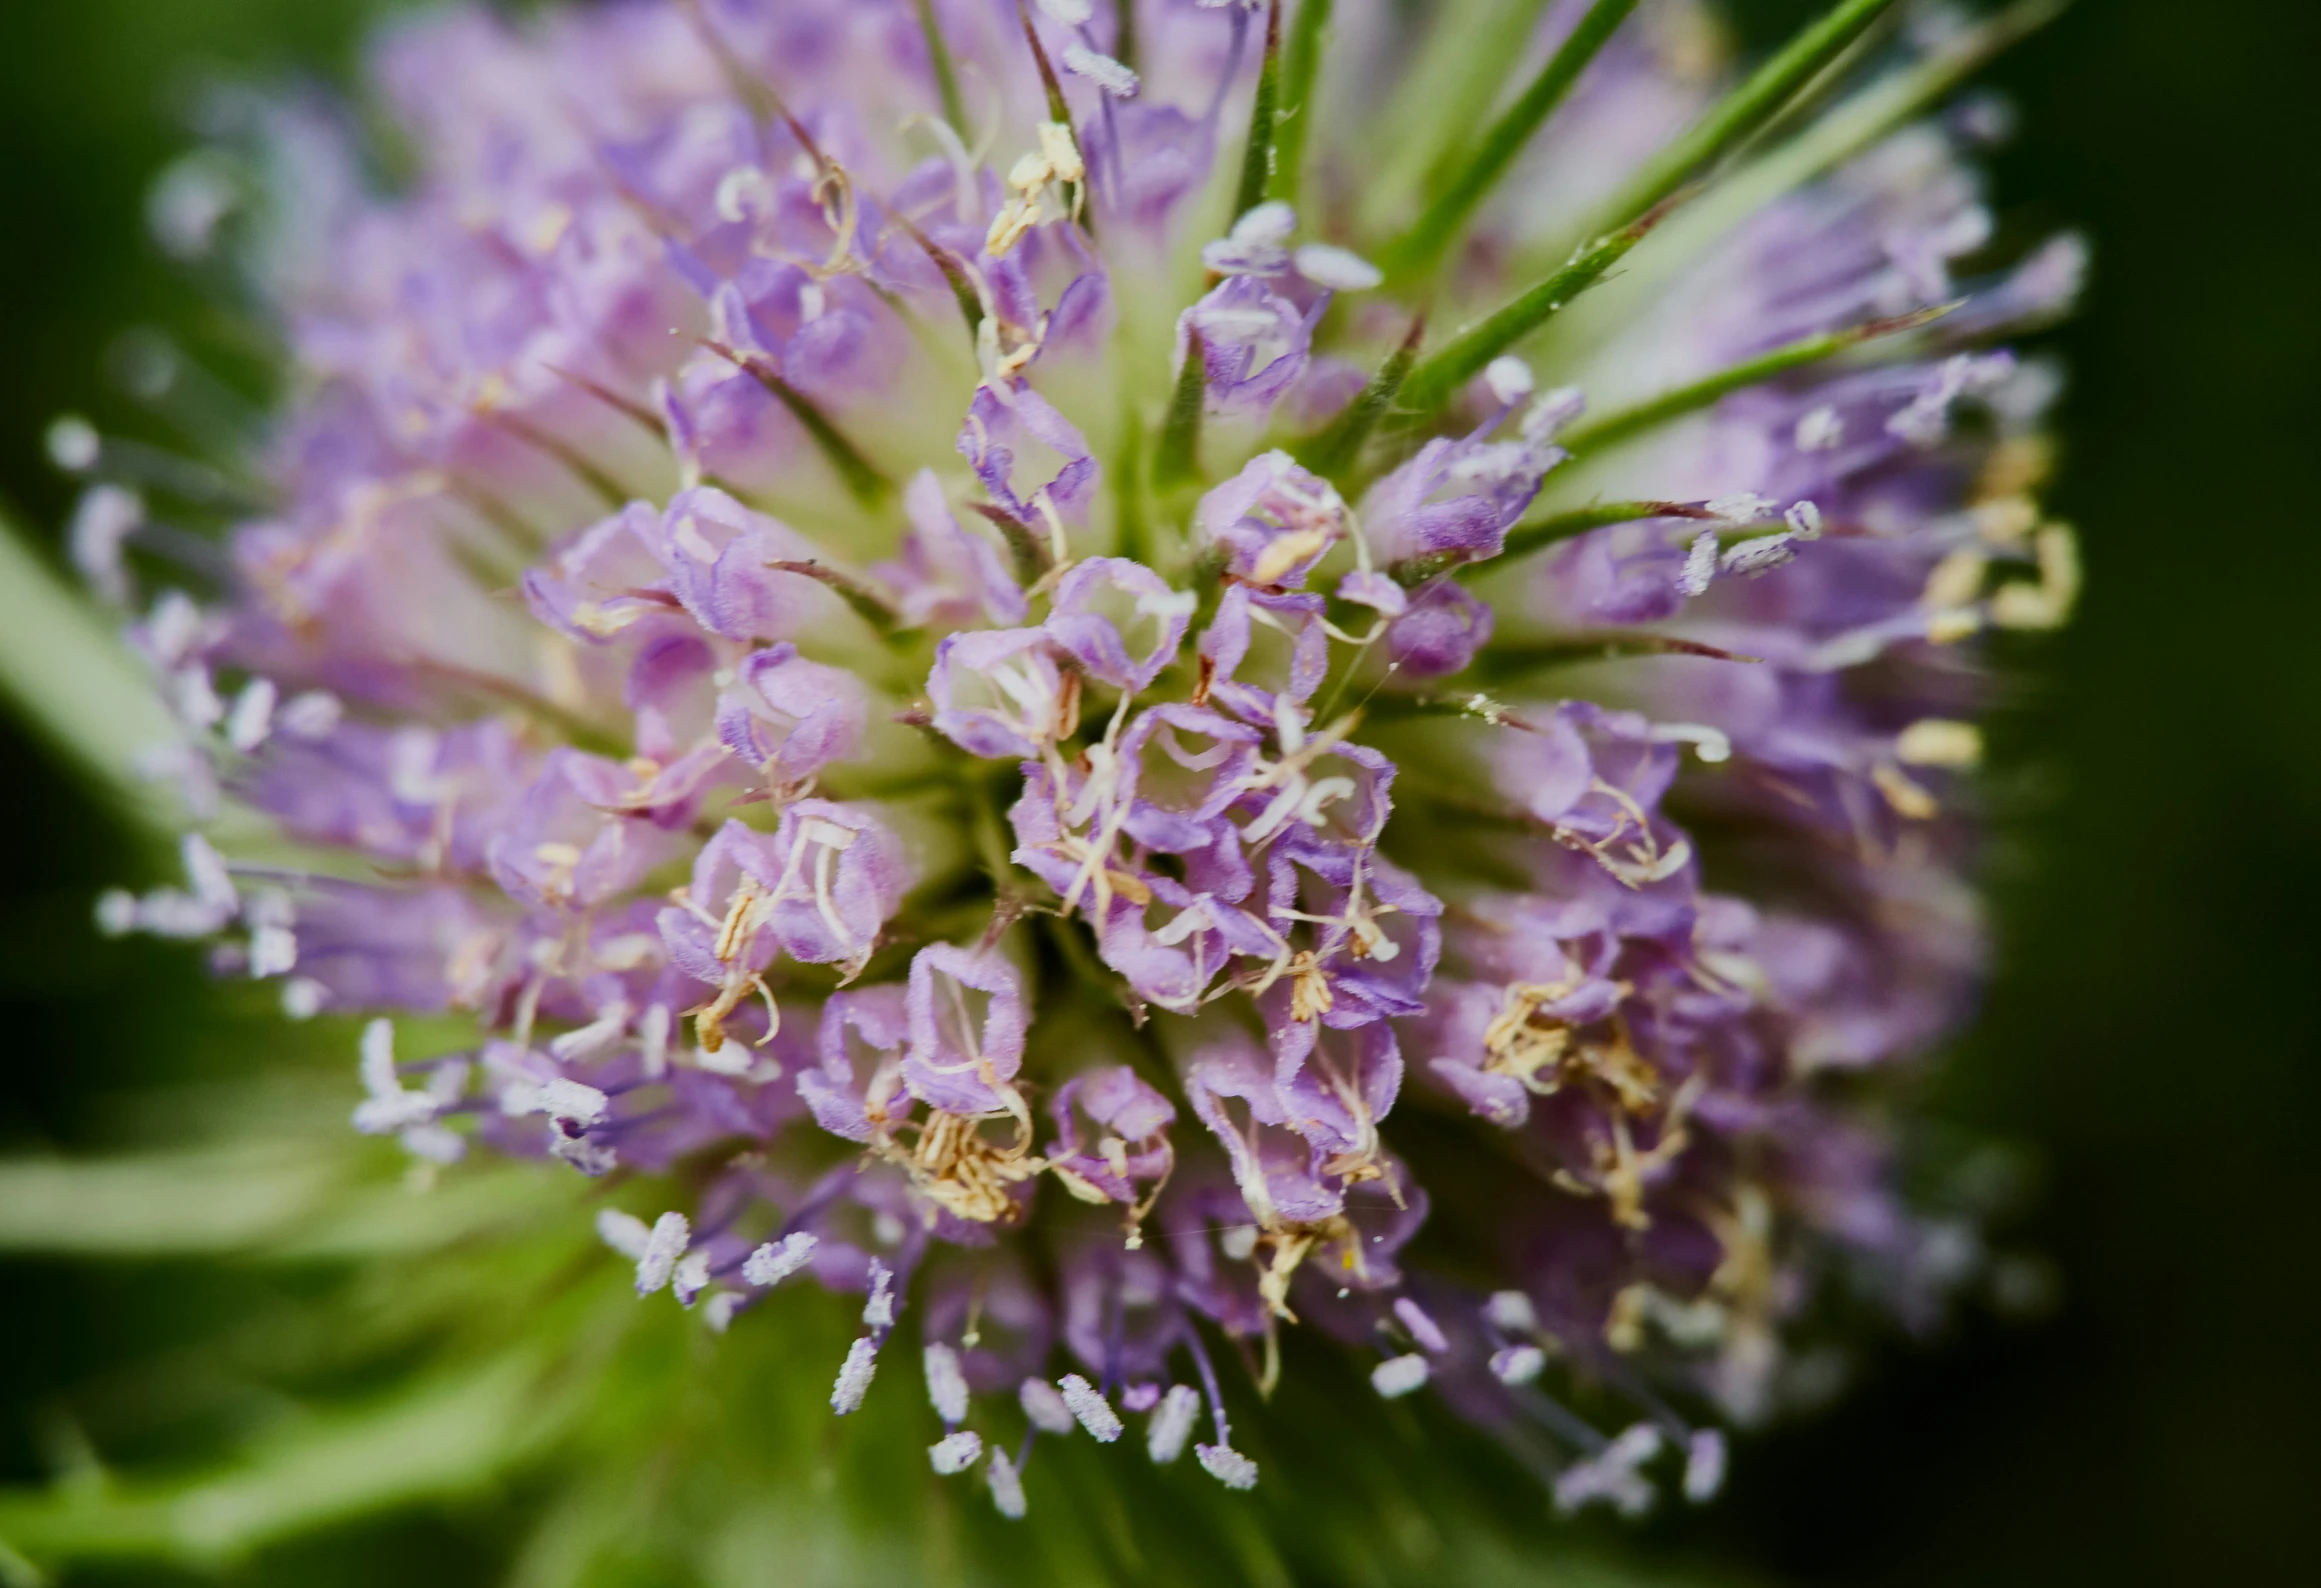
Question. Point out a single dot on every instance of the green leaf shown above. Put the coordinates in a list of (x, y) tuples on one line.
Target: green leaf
[(1619, 426), (861, 477), (1301, 64), (1179, 456), (1264, 112), (1748, 107), (77, 684), (1540, 533), (1435, 230), (1334, 453), (946, 76), (1461, 61), (1438, 380), (437, 1436), (163, 1205)]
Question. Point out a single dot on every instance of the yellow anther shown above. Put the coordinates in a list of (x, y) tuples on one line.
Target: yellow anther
[(1956, 580), (1948, 628), (1937, 741), (1910, 800), (2048, 603)]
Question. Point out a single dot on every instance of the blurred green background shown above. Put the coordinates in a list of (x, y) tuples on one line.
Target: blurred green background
[(2155, 1031)]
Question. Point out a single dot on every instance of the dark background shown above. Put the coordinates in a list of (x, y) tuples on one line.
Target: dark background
[(2153, 1031)]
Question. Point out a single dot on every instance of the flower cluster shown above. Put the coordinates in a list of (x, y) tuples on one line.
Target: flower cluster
[(1007, 820)]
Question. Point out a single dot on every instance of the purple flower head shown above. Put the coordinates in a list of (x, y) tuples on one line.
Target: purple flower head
[(1454, 499), (1253, 343), (1107, 603), (1007, 837), (967, 1021), (1273, 520), (790, 717), (998, 693)]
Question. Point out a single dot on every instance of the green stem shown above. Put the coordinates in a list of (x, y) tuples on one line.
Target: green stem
[(1462, 65), (1135, 525), (1540, 533), (1618, 426), (946, 77), (955, 274), (1435, 382), (78, 684), (1749, 106), (1059, 112), (1180, 444), (860, 476), (1293, 128), (1125, 50), (1335, 451), (1264, 113), (1518, 661), (867, 604), (601, 485), (1439, 226), (1032, 557)]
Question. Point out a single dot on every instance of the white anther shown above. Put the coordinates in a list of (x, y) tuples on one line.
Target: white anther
[(946, 1384), (1518, 1364), (1704, 1466), (854, 1376), (1006, 1486), (955, 1453), (691, 1277), (1510, 380), (664, 1244), (207, 873), (1761, 555), (378, 1059), (1820, 431), (313, 715), (1227, 1465), (1339, 269), (878, 1310), (1267, 225), (1045, 1406), (1102, 70), (1172, 1424), (273, 952), (1397, 1376), (1090, 1407), (252, 719), (776, 1261), (625, 1233), (575, 1101), (1741, 507), (1700, 564), (1511, 1312), (1710, 744)]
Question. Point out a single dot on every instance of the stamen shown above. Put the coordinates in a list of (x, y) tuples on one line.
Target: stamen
[(854, 1376), (946, 1384), (1172, 1425), (1398, 1376), (1518, 1364), (955, 1453), (1093, 1411), (657, 1264), (1227, 1465), (1046, 1407), (776, 1261), (1006, 1486)]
